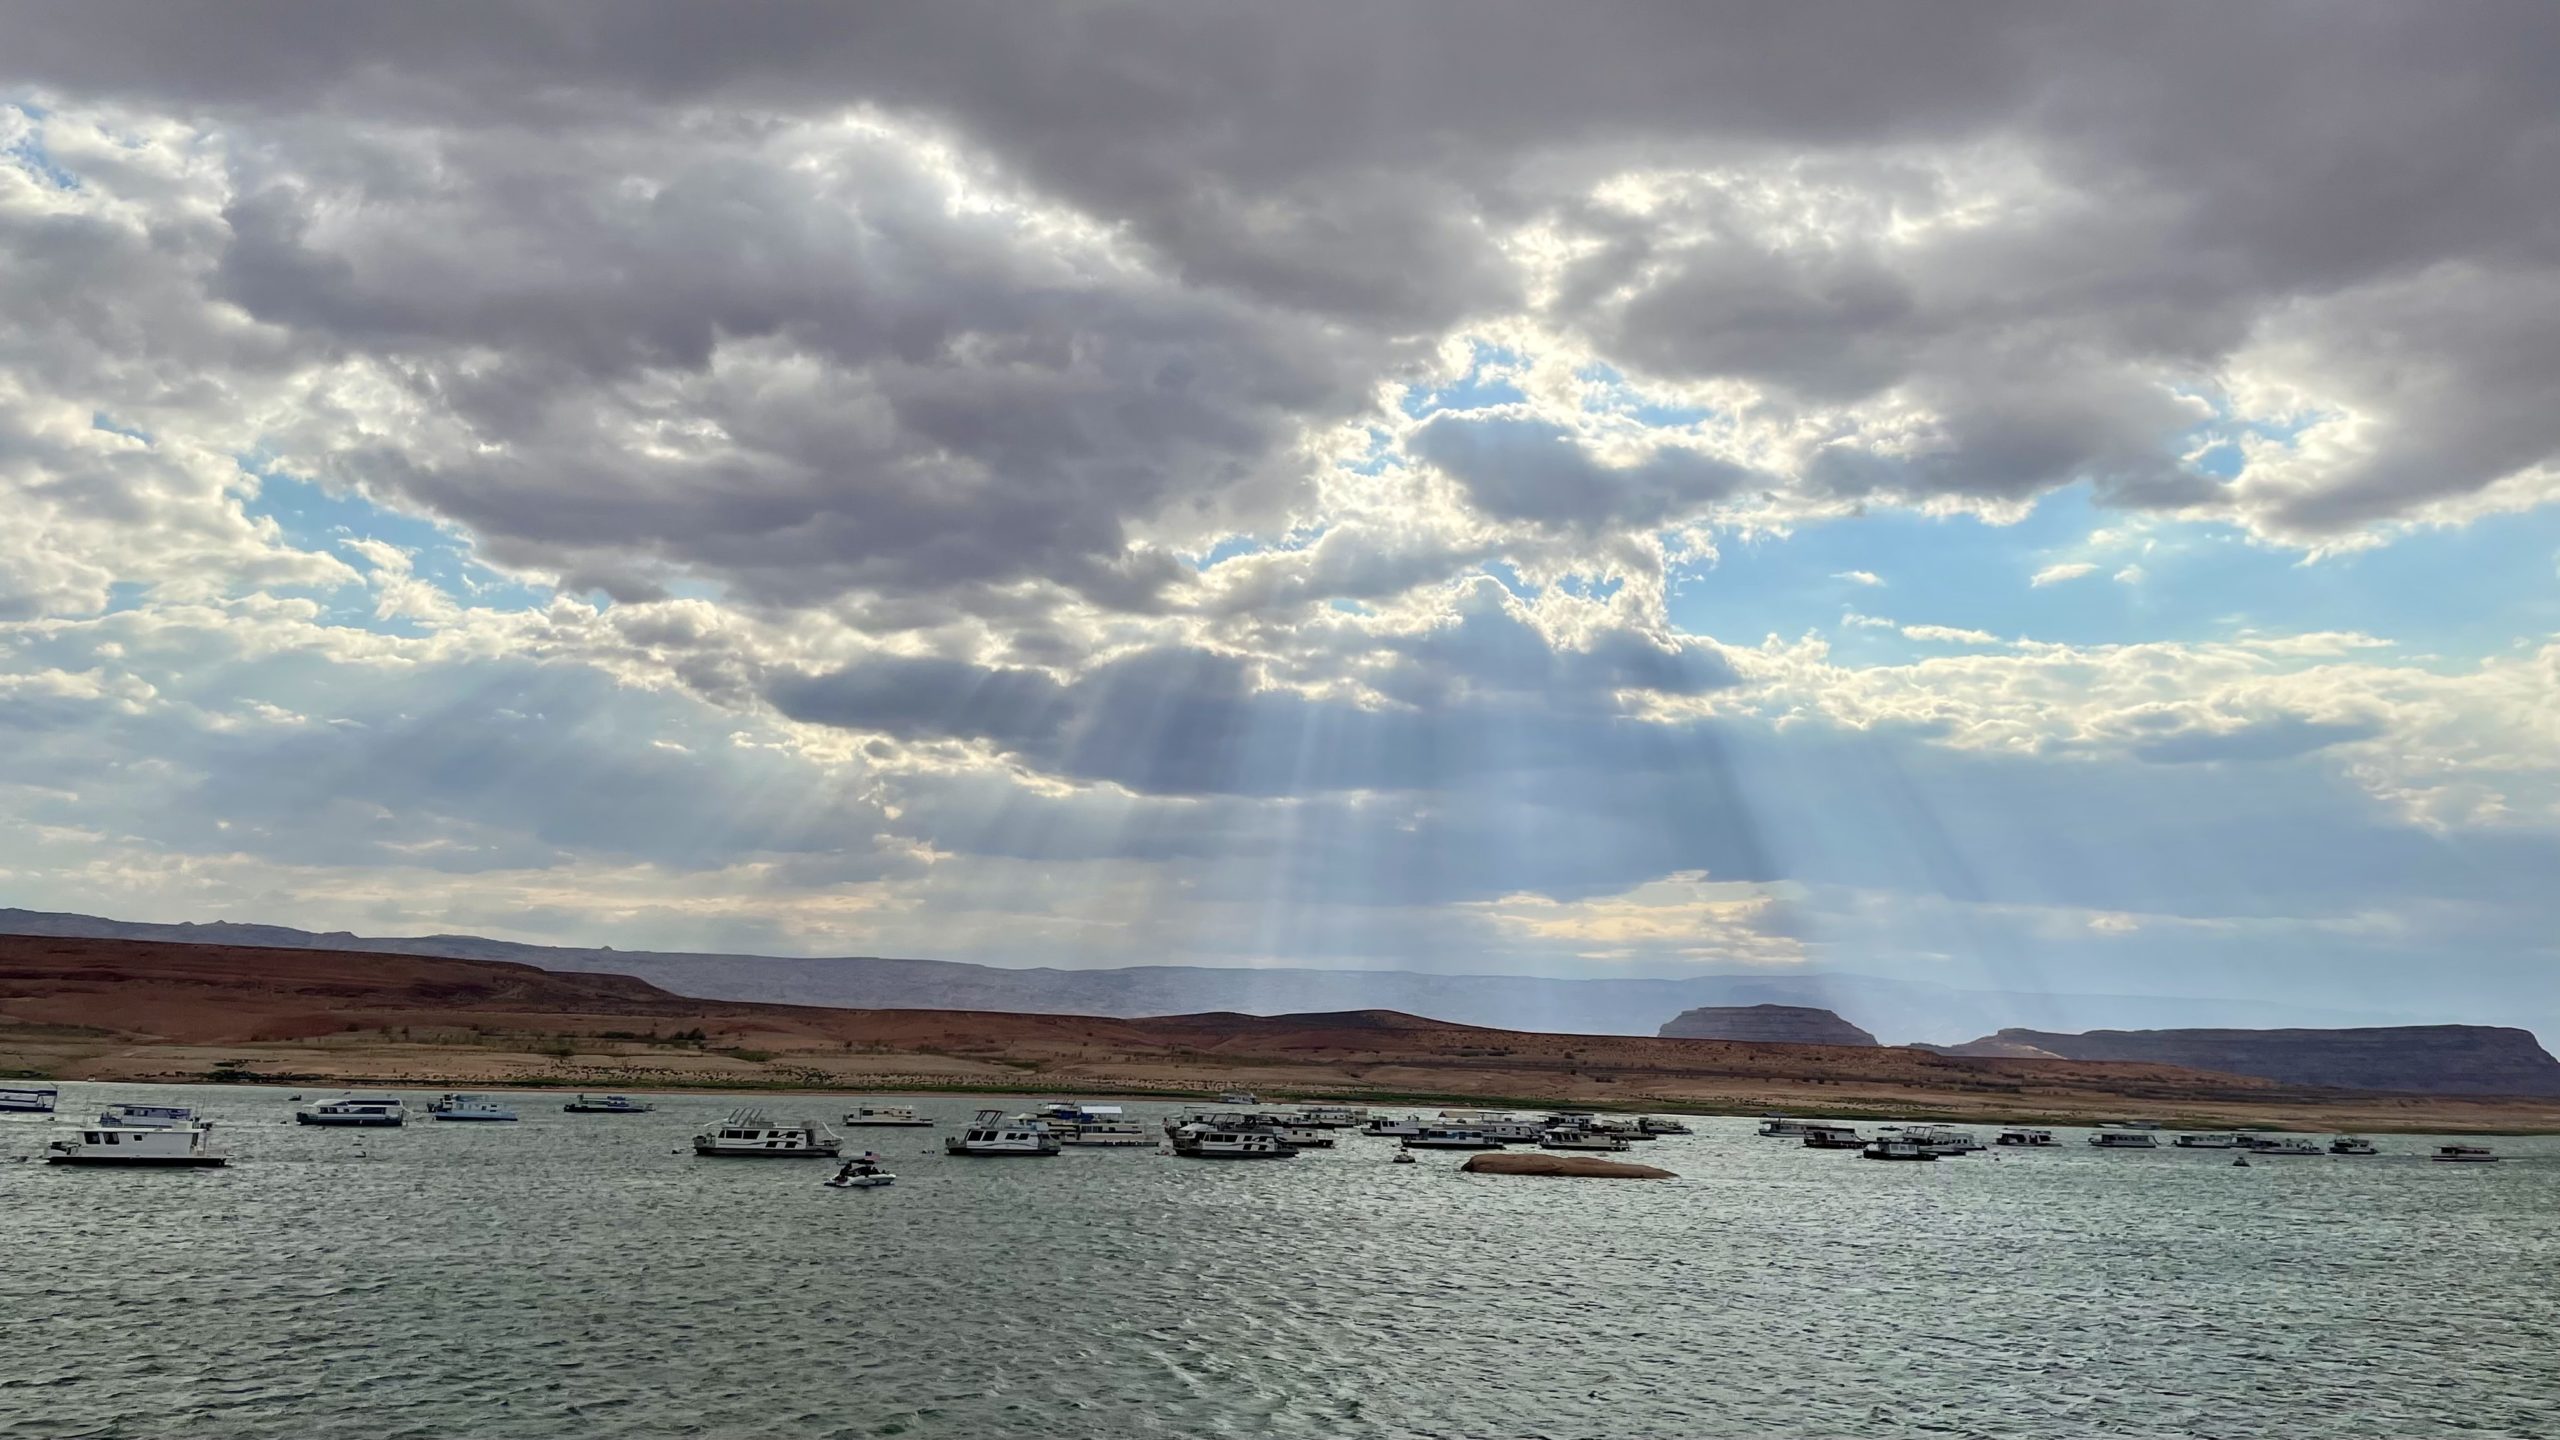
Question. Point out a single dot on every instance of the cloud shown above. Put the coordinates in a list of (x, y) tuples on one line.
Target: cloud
[(2058, 573), (1950, 633), (1859, 577)]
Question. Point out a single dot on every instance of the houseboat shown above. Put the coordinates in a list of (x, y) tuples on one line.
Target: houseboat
[(2124, 1140), (1216, 1142), (2209, 1140), (2281, 1145), (1662, 1125), (1942, 1141), (150, 1117), (456, 1105), (1819, 1136), (754, 1135), (1889, 1148), (1575, 1138), (2464, 1154), (1393, 1127), (25, 1099), (995, 1135), (1097, 1126), (367, 1111), (164, 1145), (1450, 1137), (1781, 1126), (884, 1117), (607, 1105), (2036, 1138), (2352, 1145)]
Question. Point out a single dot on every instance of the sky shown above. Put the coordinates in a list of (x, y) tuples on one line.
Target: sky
[(2047, 496)]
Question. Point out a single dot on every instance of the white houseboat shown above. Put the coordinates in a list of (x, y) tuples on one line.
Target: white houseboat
[(2024, 1137), (752, 1134), (24, 1099), (2124, 1140), (1215, 1142), (2209, 1140), (1450, 1137), (456, 1105), (1392, 1126), (169, 1145), (1095, 1126), (2281, 1145), (150, 1117), (374, 1111), (1575, 1138), (1779, 1126), (996, 1135), (1888, 1148), (1942, 1140), (885, 1117)]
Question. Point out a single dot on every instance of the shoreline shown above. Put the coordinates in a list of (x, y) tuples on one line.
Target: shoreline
[(2343, 1112)]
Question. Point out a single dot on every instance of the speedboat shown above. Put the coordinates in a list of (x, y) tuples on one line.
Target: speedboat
[(29, 1099), (2210, 1140), (754, 1135), (607, 1105), (2024, 1137), (167, 1145), (1780, 1125), (1832, 1137), (2352, 1145), (2124, 1140), (357, 1110), (456, 1105), (1891, 1149), (885, 1116), (2464, 1154), (2281, 1145), (862, 1172), (1212, 1142), (996, 1135), (1450, 1137), (150, 1117), (1563, 1138)]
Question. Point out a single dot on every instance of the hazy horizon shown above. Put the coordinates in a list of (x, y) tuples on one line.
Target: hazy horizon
[(2045, 499)]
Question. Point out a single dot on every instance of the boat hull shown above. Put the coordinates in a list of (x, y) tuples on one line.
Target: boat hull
[(476, 1119), (1235, 1154), (350, 1122), (886, 1124), (1453, 1145), (144, 1162), (797, 1153), (1001, 1154)]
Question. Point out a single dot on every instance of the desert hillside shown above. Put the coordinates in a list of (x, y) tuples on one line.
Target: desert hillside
[(106, 1009)]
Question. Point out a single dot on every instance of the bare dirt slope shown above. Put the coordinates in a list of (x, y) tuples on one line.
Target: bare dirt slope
[(99, 1008)]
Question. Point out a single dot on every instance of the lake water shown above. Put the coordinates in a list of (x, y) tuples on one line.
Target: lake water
[(585, 1276)]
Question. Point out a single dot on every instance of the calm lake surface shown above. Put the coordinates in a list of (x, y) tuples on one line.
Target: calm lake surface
[(575, 1275)]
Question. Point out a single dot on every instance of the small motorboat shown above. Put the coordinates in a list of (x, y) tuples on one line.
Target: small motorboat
[(862, 1172), (1403, 1157), (2352, 1145), (2240, 1160)]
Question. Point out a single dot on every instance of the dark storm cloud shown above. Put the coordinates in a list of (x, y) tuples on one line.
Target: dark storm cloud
[(1301, 187), (1523, 468)]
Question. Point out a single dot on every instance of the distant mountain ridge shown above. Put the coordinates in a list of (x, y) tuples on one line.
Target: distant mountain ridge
[(1898, 1010), (1766, 1025), (2429, 1059)]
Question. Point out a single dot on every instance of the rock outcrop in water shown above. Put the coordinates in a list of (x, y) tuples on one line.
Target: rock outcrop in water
[(2424, 1059), (1585, 1166), (1765, 1024)]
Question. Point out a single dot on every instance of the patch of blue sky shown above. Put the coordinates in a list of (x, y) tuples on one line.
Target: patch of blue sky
[(2460, 593), (1487, 382), (1625, 399), (317, 517), (29, 153), (101, 420)]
